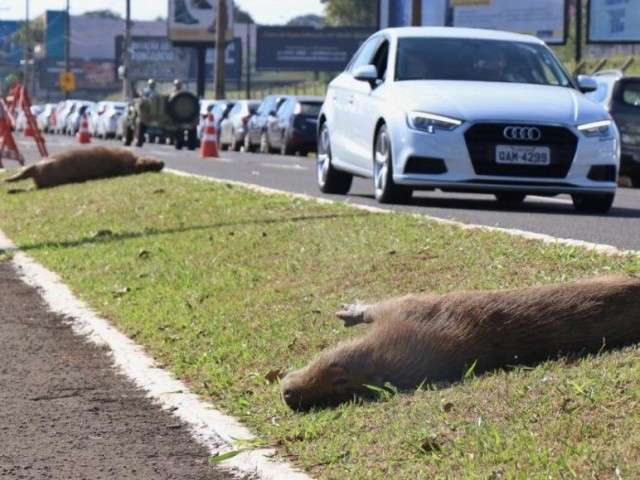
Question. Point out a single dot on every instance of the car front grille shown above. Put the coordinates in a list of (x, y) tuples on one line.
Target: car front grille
[(482, 139)]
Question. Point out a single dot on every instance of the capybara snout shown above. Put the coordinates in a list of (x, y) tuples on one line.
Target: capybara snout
[(149, 164)]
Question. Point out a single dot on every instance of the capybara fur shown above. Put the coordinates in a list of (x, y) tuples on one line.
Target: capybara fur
[(437, 338), (83, 164)]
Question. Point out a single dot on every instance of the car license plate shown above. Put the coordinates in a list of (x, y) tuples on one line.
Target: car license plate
[(522, 155)]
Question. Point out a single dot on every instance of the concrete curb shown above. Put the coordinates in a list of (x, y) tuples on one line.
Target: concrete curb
[(218, 432)]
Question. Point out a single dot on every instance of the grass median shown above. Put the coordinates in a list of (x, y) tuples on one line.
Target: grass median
[(227, 286)]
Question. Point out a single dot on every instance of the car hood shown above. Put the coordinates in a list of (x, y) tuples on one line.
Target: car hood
[(483, 101)]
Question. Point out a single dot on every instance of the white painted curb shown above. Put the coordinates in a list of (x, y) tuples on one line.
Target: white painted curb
[(548, 239), (218, 432)]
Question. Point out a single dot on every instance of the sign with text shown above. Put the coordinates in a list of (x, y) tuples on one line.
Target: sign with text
[(545, 19), (87, 74), (194, 21), (614, 21), (308, 49), (155, 57)]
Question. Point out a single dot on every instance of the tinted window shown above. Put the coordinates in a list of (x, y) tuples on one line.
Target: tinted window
[(478, 60), (310, 108), (631, 94), (381, 59), (365, 54)]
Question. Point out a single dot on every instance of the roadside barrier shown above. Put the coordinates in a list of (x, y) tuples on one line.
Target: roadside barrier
[(209, 148), (84, 136)]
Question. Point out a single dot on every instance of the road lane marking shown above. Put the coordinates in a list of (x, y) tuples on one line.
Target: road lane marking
[(284, 166), (542, 237), (218, 432)]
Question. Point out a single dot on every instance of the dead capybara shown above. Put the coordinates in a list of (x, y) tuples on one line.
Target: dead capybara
[(435, 338), (82, 164)]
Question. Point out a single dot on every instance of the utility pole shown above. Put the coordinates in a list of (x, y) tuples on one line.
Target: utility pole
[(248, 50), (578, 57), (126, 54), (27, 46), (416, 13), (219, 74), (67, 45)]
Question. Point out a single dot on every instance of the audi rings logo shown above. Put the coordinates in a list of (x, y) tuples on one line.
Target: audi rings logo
[(524, 134)]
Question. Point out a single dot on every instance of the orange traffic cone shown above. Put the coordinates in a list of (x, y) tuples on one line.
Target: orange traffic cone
[(83, 134), (209, 146)]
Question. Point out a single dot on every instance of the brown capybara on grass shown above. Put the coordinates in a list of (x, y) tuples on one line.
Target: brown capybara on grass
[(82, 164), (436, 338)]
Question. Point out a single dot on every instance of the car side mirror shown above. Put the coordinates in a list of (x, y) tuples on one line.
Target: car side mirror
[(366, 73), (587, 84)]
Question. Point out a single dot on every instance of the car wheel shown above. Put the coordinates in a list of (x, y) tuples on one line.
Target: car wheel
[(264, 143), (635, 181), (140, 134), (285, 148), (235, 143), (510, 198), (127, 137), (593, 203), (192, 139), (330, 180), (385, 189), (179, 141)]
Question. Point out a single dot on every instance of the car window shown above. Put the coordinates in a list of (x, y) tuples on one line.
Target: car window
[(478, 60), (310, 108), (253, 108), (364, 56), (266, 106), (236, 109), (381, 59), (285, 108), (631, 94)]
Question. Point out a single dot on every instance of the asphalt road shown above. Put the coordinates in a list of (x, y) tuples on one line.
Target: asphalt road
[(552, 216)]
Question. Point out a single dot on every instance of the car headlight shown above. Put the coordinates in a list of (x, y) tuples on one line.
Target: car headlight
[(600, 129), (429, 122)]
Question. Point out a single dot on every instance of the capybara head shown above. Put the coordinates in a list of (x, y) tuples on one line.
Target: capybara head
[(334, 377), (148, 164)]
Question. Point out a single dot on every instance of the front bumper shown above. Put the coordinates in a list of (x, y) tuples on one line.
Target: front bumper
[(455, 170)]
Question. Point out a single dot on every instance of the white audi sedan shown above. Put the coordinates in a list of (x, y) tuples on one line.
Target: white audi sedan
[(466, 110)]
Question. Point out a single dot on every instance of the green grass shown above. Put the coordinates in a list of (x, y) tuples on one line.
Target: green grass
[(225, 286)]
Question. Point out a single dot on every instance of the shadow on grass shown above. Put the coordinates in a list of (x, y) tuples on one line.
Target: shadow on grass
[(107, 236)]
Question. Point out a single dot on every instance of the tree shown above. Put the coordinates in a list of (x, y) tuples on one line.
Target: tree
[(310, 20), (242, 16), (351, 13), (103, 14), (36, 29)]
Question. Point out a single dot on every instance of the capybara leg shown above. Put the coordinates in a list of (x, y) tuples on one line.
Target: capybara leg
[(355, 314)]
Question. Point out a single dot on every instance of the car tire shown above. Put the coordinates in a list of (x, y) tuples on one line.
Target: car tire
[(593, 203), (385, 189), (510, 198), (127, 137), (192, 139), (635, 181), (285, 147), (265, 147), (179, 140), (140, 134), (329, 179), (248, 148), (235, 143)]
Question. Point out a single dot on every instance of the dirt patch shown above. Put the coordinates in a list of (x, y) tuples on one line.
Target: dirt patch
[(65, 413)]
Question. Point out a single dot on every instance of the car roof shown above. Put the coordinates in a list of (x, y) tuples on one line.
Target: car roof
[(456, 32)]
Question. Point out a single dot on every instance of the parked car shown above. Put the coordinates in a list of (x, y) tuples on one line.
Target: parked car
[(259, 124), (63, 110), (220, 112), (466, 110), (21, 118), (105, 118), (621, 96), (44, 118), (295, 127), (233, 128), (72, 122)]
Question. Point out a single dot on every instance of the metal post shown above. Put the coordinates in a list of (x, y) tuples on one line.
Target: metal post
[(126, 54), (221, 23), (578, 56), (27, 46), (67, 46), (416, 13), (200, 72), (248, 50)]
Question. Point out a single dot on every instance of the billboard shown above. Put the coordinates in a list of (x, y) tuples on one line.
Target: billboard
[(614, 21), (194, 21), (545, 19), (10, 51), (54, 35), (90, 75), (155, 57), (307, 48), (233, 61)]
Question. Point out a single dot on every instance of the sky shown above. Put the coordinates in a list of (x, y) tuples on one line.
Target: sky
[(263, 11)]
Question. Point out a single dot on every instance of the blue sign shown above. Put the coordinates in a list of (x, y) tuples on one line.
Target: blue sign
[(54, 35), (614, 21), (10, 51), (308, 49)]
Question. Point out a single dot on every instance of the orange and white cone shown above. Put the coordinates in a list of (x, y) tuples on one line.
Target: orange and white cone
[(83, 134), (209, 142)]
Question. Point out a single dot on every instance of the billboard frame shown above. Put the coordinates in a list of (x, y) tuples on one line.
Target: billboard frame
[(603, 42)]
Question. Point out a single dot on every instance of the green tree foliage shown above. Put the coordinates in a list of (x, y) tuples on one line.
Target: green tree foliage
[(242, 16), (350, 13), (309, 20), (103, 14), (36, 32)]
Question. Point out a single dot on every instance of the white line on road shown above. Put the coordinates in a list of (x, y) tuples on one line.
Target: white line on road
[(284, 166), (218, 432), (548, 239)]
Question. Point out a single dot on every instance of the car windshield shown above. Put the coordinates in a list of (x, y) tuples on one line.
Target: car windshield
[(313, 109), (478, 60), (631, 94)]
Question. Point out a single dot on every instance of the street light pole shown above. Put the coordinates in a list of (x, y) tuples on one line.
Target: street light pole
[(416, 13), (221, 24), (27, 45), (126, 84), (67, 46)]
